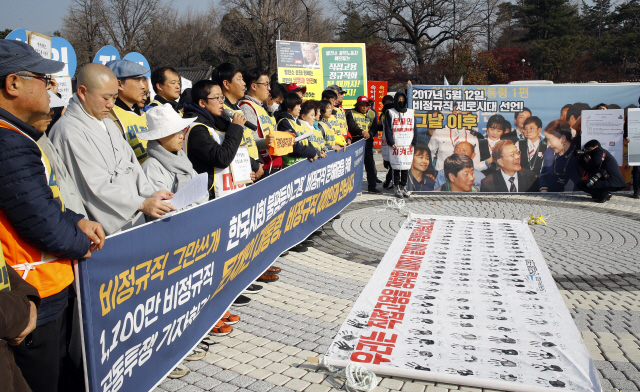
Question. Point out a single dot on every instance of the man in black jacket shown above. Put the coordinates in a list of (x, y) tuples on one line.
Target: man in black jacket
[(603, 170), (32, 217), (362, 123), (165, 82)]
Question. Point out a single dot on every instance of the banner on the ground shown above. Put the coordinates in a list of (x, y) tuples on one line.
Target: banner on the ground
[(317, 65), (470, 302), (155, 291)]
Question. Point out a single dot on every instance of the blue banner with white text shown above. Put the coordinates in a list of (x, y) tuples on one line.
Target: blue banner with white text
[(153, 292)]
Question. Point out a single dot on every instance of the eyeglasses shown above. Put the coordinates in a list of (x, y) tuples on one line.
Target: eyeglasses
[(514, 154), (46, 78), (265, 83), (220, 98)]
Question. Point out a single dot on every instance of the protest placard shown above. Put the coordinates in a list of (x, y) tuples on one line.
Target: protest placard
[(318, 65), (241, 167)]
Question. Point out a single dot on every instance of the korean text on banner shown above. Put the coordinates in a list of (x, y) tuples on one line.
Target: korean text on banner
[(155, 291), (483, 312), (318, 65)]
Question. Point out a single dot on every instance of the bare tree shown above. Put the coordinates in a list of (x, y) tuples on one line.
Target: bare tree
[(250, 28), (185, 38), (421, 25), (82, 27), (129, 24)]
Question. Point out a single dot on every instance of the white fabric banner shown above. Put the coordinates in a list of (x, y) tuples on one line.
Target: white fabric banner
[(466, 301)]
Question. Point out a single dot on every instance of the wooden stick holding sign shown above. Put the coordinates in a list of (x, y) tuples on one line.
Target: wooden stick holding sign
[(282, 144), (241, 167)]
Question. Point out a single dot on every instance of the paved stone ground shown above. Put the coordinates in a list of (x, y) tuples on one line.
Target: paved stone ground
[(592, 251)]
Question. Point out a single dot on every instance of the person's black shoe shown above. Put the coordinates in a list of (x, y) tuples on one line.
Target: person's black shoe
[(307, 243), (386, 185), (299, 248), (286, 252), (636, 194), (374, 190), (606, 198), (316, 233), (242, 300), (252, 289), (378, 181)]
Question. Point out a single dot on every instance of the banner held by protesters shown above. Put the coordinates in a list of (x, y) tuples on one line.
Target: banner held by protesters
[(156, 290)]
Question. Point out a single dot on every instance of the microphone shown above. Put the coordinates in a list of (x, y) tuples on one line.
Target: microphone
[(230, 113)]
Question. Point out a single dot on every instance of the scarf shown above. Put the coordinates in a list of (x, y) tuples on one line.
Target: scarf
[(177, 164)]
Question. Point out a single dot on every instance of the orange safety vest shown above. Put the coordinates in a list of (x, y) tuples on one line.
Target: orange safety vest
[(42, 270)]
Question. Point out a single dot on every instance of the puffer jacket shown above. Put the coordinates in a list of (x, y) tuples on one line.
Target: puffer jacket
[(27, 200)]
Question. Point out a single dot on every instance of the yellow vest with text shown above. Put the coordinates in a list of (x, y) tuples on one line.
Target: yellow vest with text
[(132, 124), (222, 178), (247, 138), (341, 119), (364, 121), (42, 270), (299, 130), (316, 140), (332, 122)]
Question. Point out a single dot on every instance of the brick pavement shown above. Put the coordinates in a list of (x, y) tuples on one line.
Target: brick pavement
[(592, 251)]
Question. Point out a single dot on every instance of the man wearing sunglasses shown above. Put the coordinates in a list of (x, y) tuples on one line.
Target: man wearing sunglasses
[(511, 177), (39, 235)]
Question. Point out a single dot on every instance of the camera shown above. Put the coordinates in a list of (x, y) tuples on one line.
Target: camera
[(596, 177), (581, 153)]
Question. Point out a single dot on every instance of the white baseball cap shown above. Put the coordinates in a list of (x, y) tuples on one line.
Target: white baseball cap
[(163, 121)]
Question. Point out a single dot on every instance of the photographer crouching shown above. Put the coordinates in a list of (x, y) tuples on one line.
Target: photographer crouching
[(603, 171)]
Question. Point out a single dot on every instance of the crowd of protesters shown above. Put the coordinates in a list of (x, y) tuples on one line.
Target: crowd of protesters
[(111, 160)]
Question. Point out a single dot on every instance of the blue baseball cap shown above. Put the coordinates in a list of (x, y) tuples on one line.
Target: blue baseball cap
[(16, 56), (127, 69)]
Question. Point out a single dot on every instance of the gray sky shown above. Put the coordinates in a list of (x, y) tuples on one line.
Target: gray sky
[(48, 14)]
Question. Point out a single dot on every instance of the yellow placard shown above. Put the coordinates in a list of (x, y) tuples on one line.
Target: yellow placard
[(283, 143)]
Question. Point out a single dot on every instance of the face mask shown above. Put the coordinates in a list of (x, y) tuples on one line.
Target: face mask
[(401, 104), (273, 107)]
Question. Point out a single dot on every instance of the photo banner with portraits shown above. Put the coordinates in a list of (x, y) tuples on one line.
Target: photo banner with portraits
[(480, 116), (317, 65), (483, 312)]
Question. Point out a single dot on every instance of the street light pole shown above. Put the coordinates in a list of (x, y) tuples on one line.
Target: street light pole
[(308, 21)]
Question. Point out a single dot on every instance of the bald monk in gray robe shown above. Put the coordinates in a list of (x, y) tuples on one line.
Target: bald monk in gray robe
[(113, 187)]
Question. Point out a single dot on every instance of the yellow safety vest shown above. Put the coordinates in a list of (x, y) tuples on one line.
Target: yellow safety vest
[(247, 138), (341, 119), (317, 139), (364, 121), (222, 178), (132, 125), (332, 122), (299, 130)]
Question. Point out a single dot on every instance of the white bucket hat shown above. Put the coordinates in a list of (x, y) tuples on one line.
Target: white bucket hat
[(163, 121)]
